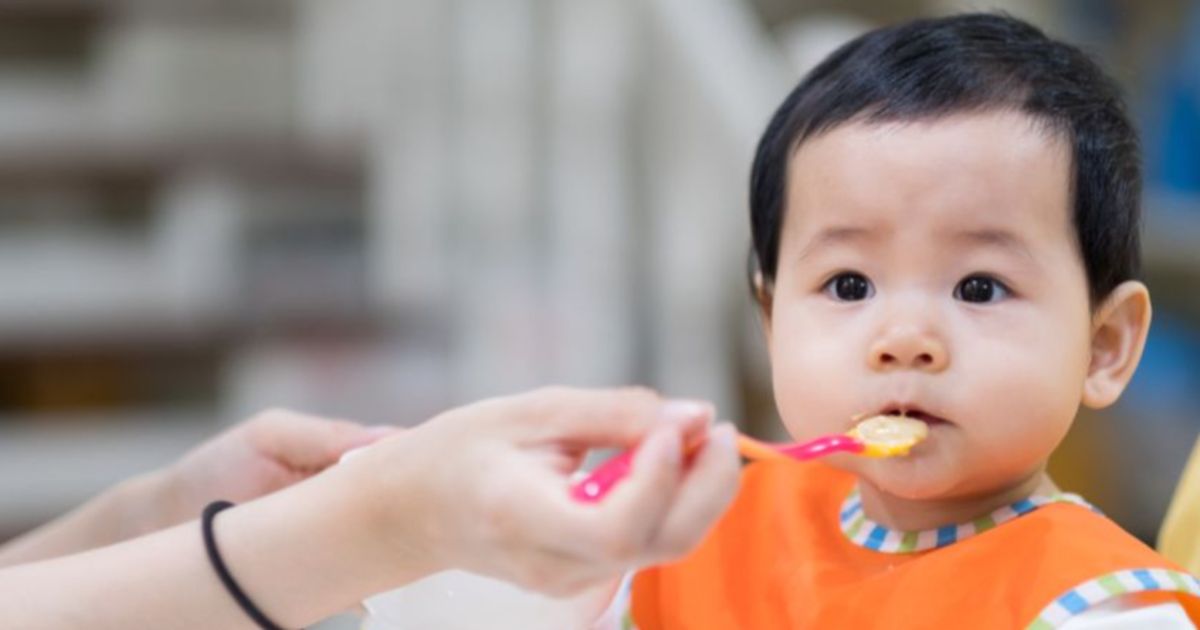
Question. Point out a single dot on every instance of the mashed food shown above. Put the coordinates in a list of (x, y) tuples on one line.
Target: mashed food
[(889, 436)]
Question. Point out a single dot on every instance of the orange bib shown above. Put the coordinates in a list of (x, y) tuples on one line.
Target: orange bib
[(783, 557)]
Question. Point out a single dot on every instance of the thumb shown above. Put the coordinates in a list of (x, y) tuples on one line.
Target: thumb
[(310, 442), (622, 418)]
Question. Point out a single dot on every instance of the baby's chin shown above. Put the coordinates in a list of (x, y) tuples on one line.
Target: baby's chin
[(921, 478)]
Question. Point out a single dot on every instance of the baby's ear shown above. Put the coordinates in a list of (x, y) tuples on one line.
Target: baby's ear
[(1119, 327), (764, 297)]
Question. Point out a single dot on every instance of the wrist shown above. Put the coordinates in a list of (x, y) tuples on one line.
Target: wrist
[(383, 501), (303, 553), (143, 504)]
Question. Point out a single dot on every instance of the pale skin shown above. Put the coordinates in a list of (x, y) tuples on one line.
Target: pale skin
[(482, 487), (933, 266), (268, 452)]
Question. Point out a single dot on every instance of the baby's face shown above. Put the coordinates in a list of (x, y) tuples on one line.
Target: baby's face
[(932, 267)]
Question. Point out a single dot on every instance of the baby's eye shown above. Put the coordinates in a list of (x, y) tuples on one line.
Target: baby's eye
[(849, 287), (981, 290)]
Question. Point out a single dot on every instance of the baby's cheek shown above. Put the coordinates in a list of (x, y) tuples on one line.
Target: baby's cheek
[(1029, 407), (810, 394)]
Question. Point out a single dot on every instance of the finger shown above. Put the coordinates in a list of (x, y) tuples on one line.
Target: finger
[(554, 573), (642, 501), (695, 435), (620, 528), (371, 434), (703, 496), (613, 417), (304, 441), (562, 575)]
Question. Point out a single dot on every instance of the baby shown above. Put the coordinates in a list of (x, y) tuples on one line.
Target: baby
[(945, 217)]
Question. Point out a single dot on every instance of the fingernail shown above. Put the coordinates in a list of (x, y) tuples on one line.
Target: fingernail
[(374, 433), (723, 435), (672, 450), (683, 410), (350, 454)]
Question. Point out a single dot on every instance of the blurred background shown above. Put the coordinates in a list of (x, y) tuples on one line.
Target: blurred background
[(378, 209)]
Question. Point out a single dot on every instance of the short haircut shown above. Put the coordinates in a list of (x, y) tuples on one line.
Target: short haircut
[(929, 68)]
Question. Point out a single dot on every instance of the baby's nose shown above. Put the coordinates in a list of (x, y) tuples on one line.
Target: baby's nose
[(910, 349)]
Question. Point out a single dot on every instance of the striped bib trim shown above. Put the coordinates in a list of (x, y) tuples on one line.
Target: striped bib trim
[(865, 532), (1112, 585)]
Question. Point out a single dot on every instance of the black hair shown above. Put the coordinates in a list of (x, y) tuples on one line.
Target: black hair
[(929, 68)]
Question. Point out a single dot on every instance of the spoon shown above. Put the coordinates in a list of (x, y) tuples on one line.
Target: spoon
[(880, 436)]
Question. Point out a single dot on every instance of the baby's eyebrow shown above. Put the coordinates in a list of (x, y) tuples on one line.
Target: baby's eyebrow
[(996, 237), (990, 237), (835, 235)]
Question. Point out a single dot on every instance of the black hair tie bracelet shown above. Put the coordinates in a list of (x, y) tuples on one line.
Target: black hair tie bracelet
[(214, 557)]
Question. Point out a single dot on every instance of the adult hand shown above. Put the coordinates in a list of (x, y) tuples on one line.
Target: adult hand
[(266, 453), (485, 487), (270, 451)]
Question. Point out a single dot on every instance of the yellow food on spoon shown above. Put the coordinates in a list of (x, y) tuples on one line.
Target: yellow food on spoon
[(889, 436)]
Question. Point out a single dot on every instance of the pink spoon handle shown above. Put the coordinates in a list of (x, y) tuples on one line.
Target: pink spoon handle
[(597, 484), (601, 480), (822, 446)]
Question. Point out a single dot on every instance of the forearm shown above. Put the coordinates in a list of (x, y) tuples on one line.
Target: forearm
[(127, 510), (312, 550), (157, 581), (299, 554)]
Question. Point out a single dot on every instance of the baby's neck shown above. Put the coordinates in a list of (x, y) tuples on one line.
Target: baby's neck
[(912, 515)]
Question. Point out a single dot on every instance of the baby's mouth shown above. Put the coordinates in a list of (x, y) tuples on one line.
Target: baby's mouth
[(916, 413)]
